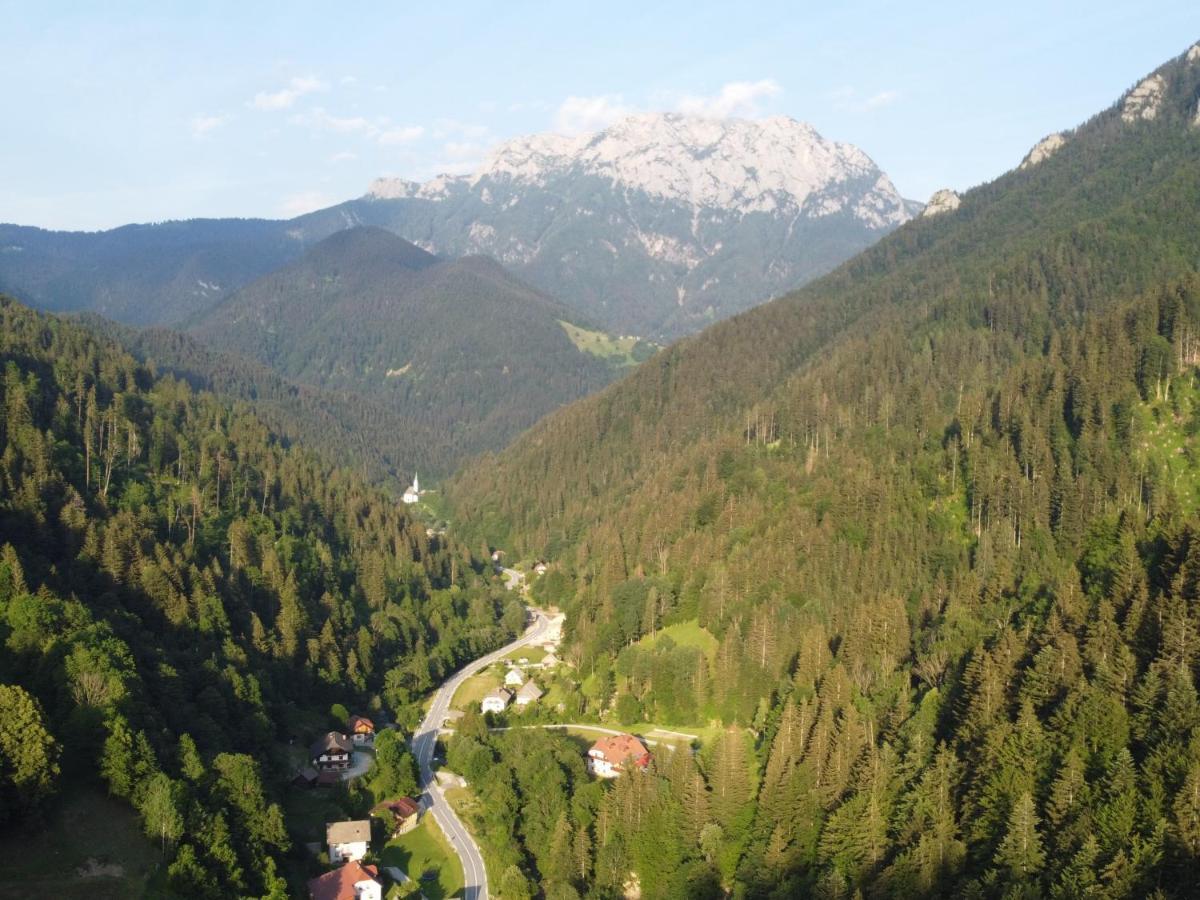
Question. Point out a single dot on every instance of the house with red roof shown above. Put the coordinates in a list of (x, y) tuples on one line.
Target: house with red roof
[(616, 753), (353, 881)]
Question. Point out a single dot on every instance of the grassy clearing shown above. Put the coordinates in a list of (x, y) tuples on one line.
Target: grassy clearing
[(1167, 440), (475, 688), (684, 634), (534, 654), (625, 350), (425, 849), (92, 847)]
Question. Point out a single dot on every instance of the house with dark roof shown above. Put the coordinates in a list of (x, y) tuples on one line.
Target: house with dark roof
[(404, 813), (353, 881), (616, 753), (331, 753), (348, 840)]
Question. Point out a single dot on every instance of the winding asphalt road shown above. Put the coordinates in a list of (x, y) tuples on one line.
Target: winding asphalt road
[(424, 740)]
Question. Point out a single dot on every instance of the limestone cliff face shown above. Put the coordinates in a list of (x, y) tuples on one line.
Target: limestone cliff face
[(661, 223), (942, 201), (1043, 150)]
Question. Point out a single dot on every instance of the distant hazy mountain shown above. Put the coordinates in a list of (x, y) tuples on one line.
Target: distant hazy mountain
[(460, 349), (656, 226), (659, 224), (142, 274)]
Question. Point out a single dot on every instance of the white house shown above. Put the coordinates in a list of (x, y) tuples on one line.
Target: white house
[(353, 881), (612, 755), (348, 840), (529, 693), (413, 493), (514, 677), (549, 661), (496, 701)]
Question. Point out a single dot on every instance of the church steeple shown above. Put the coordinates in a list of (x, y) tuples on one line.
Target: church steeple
[(413, 493)]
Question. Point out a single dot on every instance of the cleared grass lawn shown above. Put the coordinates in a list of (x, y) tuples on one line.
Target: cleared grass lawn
[(1168, 439), (623, 351), (685, 634), (425, 849), (534, 654), (475, 688), (93, 847)]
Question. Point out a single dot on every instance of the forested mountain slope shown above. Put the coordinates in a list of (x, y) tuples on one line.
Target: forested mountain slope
[(151, 274), (181, 596), (340, 425), (939, 512), (459, 348)]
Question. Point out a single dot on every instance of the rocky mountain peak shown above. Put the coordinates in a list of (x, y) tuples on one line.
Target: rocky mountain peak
[(1043, 150), (1143, 101), (942, 201), (737, 165)]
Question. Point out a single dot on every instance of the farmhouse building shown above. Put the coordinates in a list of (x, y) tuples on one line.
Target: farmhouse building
[(612, 755), (362, 729), (353, 881), (331, 753), (348, 840), (497, 701)]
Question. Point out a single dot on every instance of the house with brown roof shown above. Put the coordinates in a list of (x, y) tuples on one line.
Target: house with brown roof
[(405, 813), (616, 753), (362, 729), (353, 881), (348, 840)]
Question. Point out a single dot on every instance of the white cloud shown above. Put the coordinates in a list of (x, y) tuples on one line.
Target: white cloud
[(401, 134), (738, 98), (577, 115), (344, 156), (304, 202), (847, 98), (286, 97), (444, 128), (464, 149), (883, 98), (202, 125), (320, 119)]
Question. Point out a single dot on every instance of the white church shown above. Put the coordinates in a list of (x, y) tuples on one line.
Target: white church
[(413, 494)]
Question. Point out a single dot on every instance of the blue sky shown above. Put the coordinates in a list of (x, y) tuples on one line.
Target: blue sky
[(144, 112)]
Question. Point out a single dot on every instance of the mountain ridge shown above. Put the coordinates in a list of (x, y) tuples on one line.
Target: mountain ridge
[(468, 353)]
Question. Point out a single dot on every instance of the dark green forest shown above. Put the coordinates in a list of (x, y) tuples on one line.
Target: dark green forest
[(462, 354), (939, 511), (182, 595)]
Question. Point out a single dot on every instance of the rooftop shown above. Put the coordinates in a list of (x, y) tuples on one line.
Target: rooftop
[(617, 748), (339, 884), (348, 832), (330, 743)]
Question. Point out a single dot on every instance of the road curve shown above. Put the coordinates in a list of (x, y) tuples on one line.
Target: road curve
[(424, 740)]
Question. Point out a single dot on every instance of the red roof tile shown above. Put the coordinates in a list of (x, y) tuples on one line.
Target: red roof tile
[(618, 748), (339, 884)]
